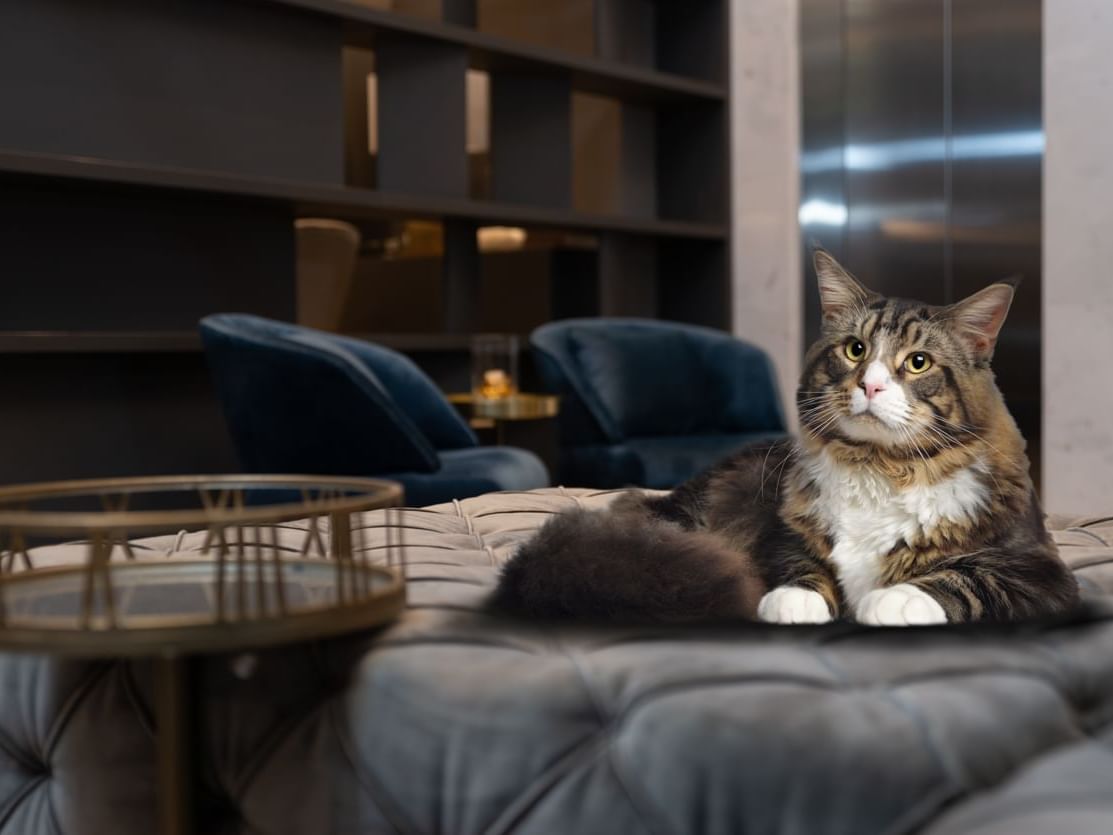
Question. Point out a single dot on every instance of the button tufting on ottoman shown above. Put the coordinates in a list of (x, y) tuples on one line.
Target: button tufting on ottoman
[(457, 721)]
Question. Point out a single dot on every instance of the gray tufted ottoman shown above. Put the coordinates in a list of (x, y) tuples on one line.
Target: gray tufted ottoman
[(456, 722)]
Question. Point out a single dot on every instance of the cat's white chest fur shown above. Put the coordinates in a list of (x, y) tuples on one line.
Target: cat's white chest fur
[(867, 516)]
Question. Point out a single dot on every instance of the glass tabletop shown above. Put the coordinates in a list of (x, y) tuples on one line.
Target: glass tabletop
[(189, 605)]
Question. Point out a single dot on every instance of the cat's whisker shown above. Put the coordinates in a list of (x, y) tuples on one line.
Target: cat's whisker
[(761, 478), (817, 401), (958, 442), (823, 409), (793, 453), (938, 439), (818, 431), (907, 433), (815, 417), (946, 437), (812, 402), (964, 428)]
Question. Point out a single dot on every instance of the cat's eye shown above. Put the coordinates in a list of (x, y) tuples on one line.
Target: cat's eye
[(917, 363), (855, 350)]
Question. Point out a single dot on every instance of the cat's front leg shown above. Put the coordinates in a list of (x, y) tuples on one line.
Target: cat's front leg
[(901, 605), (990, 584), (793, 604), (806, 592)]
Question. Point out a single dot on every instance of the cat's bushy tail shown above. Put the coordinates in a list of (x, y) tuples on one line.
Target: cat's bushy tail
[(626, 565)]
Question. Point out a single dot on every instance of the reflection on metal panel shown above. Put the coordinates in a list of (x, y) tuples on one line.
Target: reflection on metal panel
[(996, 60), (921, 159), (823, 209), (894, 101)]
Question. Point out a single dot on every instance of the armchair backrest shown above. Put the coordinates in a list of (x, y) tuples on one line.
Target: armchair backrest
[(627, 378), (408, 385), (299, 400)]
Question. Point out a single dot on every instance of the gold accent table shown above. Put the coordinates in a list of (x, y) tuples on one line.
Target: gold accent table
[(511, 408), (522, 420), (261, 577)]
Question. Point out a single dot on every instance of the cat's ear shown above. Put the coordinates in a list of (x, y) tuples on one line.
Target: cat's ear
[(978, 318), (839, 291)]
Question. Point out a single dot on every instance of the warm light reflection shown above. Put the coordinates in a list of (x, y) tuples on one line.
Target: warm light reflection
[(500, 238)]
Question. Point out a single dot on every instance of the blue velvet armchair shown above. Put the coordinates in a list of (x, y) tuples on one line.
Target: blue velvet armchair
[(303, 401), (652, 403)]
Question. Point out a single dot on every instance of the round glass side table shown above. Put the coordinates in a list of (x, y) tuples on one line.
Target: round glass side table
[(265, 573)]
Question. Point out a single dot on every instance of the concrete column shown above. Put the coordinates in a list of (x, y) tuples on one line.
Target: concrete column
[(765, 183), (1078, 257)]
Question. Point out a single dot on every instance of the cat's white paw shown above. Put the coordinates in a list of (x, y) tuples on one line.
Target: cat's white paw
[(900, 605), (791, 604)]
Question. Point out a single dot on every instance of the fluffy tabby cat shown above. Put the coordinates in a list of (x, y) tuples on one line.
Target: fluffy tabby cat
[(906, 500)]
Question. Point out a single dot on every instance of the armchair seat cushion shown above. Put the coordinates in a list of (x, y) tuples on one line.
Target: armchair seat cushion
[(473, 471), (660, 462)]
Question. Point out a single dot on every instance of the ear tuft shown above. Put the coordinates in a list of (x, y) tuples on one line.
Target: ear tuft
[(839, 291), (978, 318)]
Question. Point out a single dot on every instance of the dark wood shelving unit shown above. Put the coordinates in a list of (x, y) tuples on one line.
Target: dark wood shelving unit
[(189, 342), (419, 343), (368, 27), (315, 200), (98, 342), (128, 211)]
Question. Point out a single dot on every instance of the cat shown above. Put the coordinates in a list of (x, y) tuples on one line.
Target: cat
[(905, 501)]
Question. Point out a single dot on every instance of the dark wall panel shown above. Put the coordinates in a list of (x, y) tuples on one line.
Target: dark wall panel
[(243, 87), (628, 283), (691, 159), (79, 258), (691, 38), (691, 288), (531, 121), (92, 416), (625, 31), (422, 118)]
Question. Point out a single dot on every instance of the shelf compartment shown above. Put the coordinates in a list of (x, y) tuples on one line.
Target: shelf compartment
[(99, 342), (317, 200), (189, 342), (365, 27)]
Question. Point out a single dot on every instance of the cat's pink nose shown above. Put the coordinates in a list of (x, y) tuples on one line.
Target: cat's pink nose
[(872, 389)]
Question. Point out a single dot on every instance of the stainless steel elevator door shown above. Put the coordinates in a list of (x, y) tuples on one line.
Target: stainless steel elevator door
[(921, 158)]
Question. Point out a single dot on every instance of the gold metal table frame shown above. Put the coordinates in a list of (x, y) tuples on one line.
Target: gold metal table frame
[(265, 574)]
